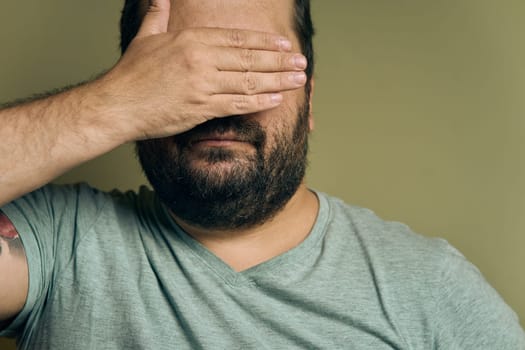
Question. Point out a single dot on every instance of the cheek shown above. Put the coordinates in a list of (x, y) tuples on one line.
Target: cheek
[(275, 120), (284, 114)]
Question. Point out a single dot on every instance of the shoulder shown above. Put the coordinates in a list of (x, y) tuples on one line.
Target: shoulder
[(428, 283), (389, 240), (51, 204), (406, 259), (86, 200), (62, 215), (406, 265)]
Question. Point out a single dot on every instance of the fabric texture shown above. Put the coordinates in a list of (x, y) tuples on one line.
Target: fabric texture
[(114, 271)]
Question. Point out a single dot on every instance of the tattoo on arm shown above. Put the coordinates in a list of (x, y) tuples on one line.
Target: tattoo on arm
[(10, 242)]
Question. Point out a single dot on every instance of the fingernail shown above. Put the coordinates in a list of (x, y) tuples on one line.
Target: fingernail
[(276, 98), (300, 61), (298, 78), (285, 44)]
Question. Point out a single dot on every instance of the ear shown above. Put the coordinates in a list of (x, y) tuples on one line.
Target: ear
[(311, 122)]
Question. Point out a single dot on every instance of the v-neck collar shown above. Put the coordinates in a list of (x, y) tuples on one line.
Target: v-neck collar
[(288, 258)]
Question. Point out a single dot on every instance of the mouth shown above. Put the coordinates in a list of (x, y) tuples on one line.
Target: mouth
[(218, 140), (230, 133)]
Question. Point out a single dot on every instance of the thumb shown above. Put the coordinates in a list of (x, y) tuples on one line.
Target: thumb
[(156, 19)]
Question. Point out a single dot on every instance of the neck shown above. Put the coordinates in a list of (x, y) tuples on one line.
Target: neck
[(245, 248)]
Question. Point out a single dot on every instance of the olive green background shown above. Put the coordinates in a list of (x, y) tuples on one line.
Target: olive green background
[(419, 111)]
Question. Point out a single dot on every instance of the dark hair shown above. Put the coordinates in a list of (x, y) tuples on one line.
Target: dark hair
[(132, 18)]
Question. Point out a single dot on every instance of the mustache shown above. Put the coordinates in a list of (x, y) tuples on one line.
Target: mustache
[(246, 130)]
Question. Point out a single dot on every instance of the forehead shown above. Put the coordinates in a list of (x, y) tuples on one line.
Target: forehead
[(275, 16)]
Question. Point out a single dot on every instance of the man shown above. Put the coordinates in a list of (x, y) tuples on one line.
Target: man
[(232, 250)]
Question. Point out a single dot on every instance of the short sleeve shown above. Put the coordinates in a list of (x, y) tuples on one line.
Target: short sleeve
[(470, 314), (51, 221)]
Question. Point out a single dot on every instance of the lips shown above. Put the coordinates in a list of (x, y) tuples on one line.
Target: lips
[(223, 132)]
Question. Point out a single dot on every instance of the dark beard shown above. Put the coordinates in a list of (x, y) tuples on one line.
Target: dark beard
[(250, 192)]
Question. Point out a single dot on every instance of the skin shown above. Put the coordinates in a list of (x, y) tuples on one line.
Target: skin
[(242, 249), (166, 83), (13, 269), (156, 90)]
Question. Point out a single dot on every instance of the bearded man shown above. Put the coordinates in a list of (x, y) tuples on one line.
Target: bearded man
[(231, 249)]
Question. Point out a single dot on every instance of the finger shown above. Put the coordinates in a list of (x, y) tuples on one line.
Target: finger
[(248, 60), (250, 83), (228, 104), (156, 19), (239, 38)]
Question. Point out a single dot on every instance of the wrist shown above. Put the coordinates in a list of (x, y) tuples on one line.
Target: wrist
[(109, 112)]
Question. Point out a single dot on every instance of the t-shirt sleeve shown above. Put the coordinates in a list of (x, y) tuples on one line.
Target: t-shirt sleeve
[(470, 313), (51, 222)]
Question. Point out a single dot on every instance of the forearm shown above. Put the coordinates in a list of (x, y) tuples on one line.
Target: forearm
[(42, 139)]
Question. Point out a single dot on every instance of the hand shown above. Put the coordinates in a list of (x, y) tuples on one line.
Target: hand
[(169, 82)]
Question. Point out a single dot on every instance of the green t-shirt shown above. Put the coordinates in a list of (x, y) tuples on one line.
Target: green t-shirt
[(114, 271)]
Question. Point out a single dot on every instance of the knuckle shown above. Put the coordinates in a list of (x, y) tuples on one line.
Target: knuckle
[(240, 103), (186, 35), (250, 83), (197, 98), (267, 40), (248, 59), (198, 86), (192, 56), (237, 38)]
